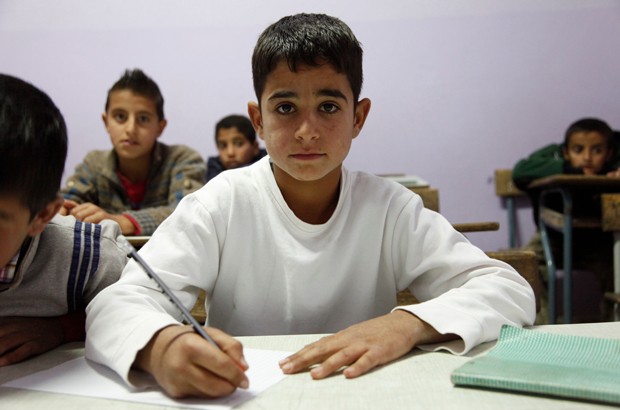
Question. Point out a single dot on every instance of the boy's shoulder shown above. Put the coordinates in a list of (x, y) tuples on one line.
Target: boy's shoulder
[(100, 159), (67, 232), (66, 242), (177, 152)]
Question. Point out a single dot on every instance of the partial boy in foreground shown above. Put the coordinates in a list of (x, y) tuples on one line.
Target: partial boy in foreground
[(236, 143), (140, 181), (296, 243), (51, 266)]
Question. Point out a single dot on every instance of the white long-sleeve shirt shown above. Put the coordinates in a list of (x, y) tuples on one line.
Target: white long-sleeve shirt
[(267, 272)]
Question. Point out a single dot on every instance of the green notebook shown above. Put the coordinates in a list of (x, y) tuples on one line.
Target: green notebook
[(532, 361)]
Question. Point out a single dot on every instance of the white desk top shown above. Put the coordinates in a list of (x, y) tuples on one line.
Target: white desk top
[(419, 381)]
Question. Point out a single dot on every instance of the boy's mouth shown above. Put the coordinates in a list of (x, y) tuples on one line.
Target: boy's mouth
[(307, 156)]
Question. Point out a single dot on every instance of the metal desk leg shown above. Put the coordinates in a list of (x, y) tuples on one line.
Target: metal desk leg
[(567, 231), (617, 273), (568, 258), (551, 278), (512, 231)]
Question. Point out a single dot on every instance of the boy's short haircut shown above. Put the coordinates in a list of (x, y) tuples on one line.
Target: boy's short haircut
[(311, 39), (242, 123), (33, 144), (589, 125), (140, 84)]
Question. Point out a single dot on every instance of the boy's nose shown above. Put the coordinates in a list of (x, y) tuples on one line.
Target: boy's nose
[(307, 130), (131, 125)]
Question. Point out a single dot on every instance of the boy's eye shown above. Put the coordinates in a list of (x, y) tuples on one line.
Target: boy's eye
[(239, 143), (120, 116), (577, 149), (329, 108), (144, 119), (284, 108)]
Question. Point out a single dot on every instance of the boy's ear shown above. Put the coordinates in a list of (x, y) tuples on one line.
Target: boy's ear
[(162, 126), (45, 215), (361, 113), (565, 153), (256, 118), (104, 118)]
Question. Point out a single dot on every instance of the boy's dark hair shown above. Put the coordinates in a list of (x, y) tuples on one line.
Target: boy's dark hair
[(242, 123), (140, 84), (33, 144), (590, 125), (311, 39)]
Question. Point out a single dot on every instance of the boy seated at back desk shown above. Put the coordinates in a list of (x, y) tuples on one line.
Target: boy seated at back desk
[(236, 143), (51, 266), (588, 149), (140, 181), (296, 243)]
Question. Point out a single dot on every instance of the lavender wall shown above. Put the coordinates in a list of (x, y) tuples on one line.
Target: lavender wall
[(459, 88)]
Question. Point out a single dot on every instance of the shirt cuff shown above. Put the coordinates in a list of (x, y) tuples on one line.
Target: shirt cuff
[(134, 223)]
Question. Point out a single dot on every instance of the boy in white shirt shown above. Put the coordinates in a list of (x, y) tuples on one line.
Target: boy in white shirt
[(296, 243)]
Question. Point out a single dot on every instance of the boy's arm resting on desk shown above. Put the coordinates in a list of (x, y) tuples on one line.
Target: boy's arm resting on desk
[(24, 337), (464, 295), (541, 163)]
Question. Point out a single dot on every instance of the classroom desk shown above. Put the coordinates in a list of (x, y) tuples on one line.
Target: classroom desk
[(420, 380), (567, 186), (137, 241)]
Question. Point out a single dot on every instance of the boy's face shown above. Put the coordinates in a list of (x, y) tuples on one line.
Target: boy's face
[(133, 124), (308, 120), (587, 150), (16, 224), (234, 148)]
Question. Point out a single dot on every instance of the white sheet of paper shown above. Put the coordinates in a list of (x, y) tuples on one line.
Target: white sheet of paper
[(85, 378)]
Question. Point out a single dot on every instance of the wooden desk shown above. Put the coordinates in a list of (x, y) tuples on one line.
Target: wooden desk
[(476, 226), (567, 186), (420, 380), (137, 241)]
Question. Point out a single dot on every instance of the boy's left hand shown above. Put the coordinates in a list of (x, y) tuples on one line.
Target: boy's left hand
[(24, 337), (614, 173), (89, 212), (363, 346)]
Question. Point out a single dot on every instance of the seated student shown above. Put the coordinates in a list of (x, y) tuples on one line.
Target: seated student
[(296, 243), (140, 181), (236, 143), (51, 266), (588, 149)]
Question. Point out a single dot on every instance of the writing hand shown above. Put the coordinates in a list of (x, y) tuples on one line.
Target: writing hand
[(24, 337), (186, 365), (363, 346)]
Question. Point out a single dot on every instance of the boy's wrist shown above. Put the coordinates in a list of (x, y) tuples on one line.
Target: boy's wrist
[(157, 346), (129, 226)]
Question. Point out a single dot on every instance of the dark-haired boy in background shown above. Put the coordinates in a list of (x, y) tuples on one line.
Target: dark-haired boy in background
[(588, 149), (236, 143)]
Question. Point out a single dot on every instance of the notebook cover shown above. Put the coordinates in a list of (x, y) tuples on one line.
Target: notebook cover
[(531, 361)]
